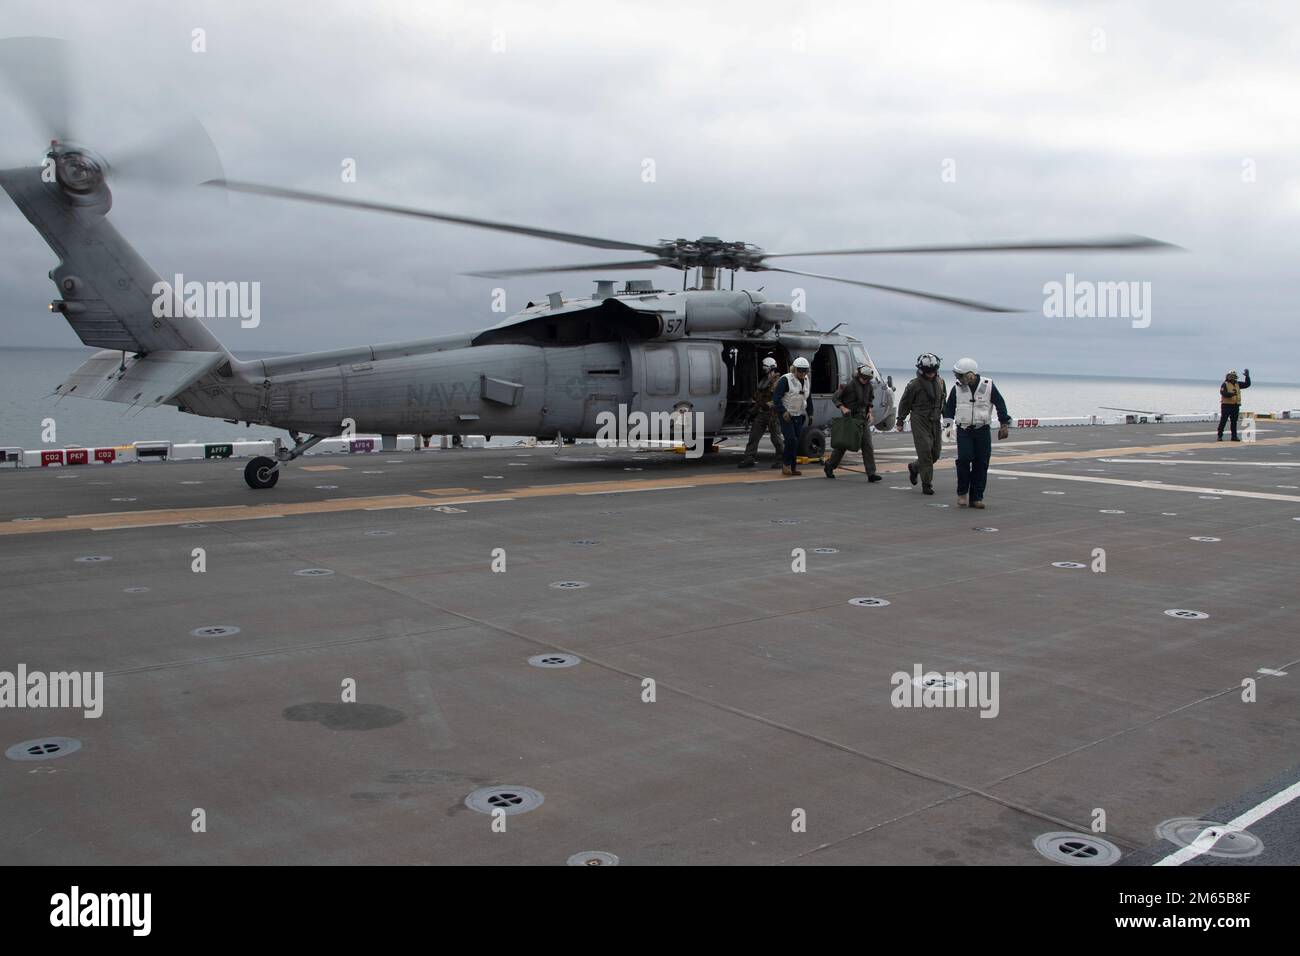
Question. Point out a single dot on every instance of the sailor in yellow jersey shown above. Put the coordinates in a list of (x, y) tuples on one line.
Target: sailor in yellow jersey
[(1230, 401)]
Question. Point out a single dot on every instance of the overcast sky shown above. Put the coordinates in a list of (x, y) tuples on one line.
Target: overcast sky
[(788, 125)]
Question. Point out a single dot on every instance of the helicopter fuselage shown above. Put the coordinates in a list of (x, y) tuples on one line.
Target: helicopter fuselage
[(503, 384)]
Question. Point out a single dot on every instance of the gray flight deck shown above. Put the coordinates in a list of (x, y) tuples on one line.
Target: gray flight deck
[(772, 693)]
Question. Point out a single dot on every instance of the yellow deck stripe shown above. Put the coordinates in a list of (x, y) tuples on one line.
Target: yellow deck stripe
[(458, 496)]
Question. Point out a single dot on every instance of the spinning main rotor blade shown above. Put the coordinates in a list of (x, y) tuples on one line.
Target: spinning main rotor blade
[(37, 71), (1105, 244), (588, 267), (930, 296), (280, 192)]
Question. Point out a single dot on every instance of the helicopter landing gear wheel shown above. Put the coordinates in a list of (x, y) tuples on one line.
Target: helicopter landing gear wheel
[(262, 473), (813, 444)]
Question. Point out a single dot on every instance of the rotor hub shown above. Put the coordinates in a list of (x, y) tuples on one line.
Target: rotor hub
[(710, 251), (77, 169)]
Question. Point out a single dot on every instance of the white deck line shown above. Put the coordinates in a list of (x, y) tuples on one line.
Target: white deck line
[(1153, 485), (1205, 842)]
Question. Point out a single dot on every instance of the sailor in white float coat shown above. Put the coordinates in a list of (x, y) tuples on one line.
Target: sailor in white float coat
[(793, 397), (971, 405)]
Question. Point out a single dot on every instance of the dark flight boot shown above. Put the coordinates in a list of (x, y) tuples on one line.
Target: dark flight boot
[(746, 463), (927, 489), (874, 478), (911, 472)]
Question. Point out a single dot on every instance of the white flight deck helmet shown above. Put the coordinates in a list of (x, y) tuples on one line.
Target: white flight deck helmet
[(769, 362), (964, 365), (800, 363)]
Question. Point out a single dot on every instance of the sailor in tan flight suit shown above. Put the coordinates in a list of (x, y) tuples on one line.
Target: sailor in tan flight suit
[(923, 400), (853, 398), (766, 417)]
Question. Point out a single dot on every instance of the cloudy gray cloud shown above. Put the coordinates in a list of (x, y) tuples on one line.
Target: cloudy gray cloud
[(787, 125)]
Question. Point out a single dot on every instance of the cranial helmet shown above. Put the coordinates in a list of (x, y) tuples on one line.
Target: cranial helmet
[(1232, 375), (769, 362), (864, 371), (927, 362), (800, 363), (964, 365)]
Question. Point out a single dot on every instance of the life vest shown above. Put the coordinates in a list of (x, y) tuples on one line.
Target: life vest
[(795, 400), (1230, 393), (974, 409)]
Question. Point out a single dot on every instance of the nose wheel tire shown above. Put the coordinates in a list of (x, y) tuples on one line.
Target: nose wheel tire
[(262, 473)]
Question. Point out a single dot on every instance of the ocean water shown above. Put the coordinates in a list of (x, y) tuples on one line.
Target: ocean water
[(28, 376), (1067, 396)]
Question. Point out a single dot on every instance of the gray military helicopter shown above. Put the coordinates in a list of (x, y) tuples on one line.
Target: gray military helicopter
[(548, 371)]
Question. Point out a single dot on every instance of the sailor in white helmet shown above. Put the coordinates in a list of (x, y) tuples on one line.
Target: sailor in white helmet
[(923, 399), (853, 399), (793, 399), (971, 404)]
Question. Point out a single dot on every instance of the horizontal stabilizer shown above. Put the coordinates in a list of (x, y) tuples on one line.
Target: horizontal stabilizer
[(153, 379)]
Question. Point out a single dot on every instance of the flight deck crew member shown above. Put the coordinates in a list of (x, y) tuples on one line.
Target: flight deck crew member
[(854, 398), (793, 397), (765, 417), (1230, 401), (923, 399), (971, 404)]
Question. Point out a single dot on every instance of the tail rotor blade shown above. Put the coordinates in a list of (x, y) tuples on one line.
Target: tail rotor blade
[(181, 155), (37, 71)]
